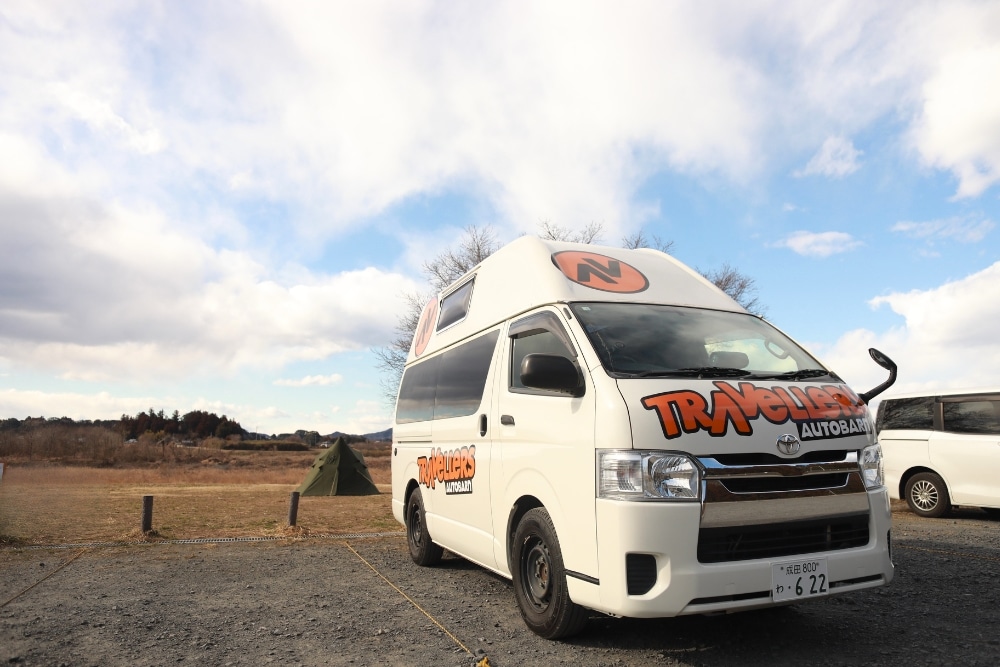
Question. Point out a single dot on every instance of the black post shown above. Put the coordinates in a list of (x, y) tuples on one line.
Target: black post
[(147, 514), (293, 508)]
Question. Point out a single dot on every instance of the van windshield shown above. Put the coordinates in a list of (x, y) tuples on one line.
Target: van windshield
[(647, 340)]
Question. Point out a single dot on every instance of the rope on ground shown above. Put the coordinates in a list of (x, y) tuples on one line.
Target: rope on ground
[(483, 662), (78, 554)]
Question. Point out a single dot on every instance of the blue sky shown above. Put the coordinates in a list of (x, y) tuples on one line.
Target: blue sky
[(219, 206)]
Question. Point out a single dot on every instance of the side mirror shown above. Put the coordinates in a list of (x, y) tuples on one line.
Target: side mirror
[(886, 363), (552, 373)]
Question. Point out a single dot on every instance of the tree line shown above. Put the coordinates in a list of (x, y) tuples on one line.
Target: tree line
[(195, 424)]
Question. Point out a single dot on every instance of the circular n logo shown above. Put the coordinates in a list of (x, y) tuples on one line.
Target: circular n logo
[(600, 272)]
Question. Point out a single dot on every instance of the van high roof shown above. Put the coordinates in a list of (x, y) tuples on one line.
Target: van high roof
[(530, 272)]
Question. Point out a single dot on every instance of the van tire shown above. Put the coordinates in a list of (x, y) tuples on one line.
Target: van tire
[(423, 551), (540, 579), (927, 495)]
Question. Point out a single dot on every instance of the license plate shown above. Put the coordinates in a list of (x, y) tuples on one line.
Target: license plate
[(799, 579)]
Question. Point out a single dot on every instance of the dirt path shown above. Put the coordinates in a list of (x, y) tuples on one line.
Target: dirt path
[(325, 602)]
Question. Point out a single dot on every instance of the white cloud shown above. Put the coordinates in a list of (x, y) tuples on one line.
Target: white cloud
[(837, 157), (958, 125), (819, 244), (948, 338), (311, 381), (100, 405), (88, 107), (347, 109), (963, 230), (110, 292)]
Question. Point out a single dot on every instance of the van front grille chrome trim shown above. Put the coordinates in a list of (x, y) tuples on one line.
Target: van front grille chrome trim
[(714, 469), (758, 507)]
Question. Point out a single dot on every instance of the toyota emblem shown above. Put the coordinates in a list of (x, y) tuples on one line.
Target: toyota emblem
[(788, 444)]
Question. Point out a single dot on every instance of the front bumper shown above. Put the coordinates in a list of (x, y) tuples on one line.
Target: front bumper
[(666, 536)]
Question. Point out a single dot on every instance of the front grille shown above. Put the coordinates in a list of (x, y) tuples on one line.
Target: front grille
[(759, 458), (736, 543), (784, 484)]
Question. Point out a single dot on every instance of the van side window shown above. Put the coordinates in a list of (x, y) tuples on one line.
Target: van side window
[(541, 333), (462, 378), (455, 306), (908, 413), (416, 392), (978, 417), (448, 385)]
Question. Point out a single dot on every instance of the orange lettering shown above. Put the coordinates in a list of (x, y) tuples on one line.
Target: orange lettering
[(456, 465), (688, 411)]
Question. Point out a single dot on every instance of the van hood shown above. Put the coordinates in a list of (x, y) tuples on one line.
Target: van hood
[(707, 417)]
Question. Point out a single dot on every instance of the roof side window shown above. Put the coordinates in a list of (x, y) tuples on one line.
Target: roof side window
[(907, 413), (972, 416), (455, 306)]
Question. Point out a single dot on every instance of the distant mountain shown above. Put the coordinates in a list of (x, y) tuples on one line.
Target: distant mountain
[(380, 436)]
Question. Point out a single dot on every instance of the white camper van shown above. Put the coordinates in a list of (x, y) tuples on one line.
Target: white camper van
[(614, 433), (942, 449)]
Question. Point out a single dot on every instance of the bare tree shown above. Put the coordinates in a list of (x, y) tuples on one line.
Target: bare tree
[(640, 240), (591, 233), (477, 244), (741, 287), (392, 357)]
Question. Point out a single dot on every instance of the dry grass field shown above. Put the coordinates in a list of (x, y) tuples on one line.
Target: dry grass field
[(231, 494)]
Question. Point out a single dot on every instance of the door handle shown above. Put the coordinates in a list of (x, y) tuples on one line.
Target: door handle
[(482, 426), (506, 420)]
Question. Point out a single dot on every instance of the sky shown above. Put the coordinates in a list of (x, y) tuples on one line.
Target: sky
[(220, 205)]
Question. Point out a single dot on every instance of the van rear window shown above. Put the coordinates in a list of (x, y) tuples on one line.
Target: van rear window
[(448, 385), (912, 414), (978, 417)]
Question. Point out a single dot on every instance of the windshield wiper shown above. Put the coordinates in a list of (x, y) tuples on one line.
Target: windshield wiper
[(702, 372), (804, 374)]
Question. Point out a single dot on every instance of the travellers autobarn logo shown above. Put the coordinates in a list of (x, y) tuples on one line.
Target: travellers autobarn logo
[(827, 411), (454, 469), (600, 272), (425, 327)]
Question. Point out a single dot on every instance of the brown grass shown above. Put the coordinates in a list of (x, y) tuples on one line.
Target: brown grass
[(245, 495)]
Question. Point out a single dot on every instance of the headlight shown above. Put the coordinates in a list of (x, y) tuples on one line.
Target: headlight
[(633, 475), (871, 466)]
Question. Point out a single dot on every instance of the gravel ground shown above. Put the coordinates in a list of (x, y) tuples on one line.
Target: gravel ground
[(342, 602)]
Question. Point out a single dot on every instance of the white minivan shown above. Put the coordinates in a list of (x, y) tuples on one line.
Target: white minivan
[(614, 433), (942, 449)]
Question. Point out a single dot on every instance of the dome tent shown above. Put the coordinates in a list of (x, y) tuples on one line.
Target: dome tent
[(338, 471)]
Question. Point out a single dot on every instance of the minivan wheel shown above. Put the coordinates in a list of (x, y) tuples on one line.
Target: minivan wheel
[(422, 550), (540, 579), (927, 495)]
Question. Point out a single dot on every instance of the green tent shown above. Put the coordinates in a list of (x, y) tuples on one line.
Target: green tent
[(339, 471)]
